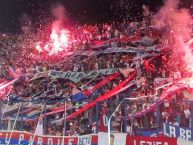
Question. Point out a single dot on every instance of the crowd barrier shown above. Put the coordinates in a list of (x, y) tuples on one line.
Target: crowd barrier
[(27, 120), (25, 138)]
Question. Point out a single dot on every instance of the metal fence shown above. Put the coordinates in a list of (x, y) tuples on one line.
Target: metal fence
[(29, 116)]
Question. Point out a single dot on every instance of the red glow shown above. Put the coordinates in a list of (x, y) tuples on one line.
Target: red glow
[(58, 42)]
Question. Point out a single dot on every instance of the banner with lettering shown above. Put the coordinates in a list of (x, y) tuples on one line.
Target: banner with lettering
[(155, 48), (88, 140), (78, 76), (26, 138), (140, 140), (178, 132)]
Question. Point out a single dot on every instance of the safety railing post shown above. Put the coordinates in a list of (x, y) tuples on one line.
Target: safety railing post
[(45, 119), (125, 116), (191, 110), (97, 117), (65, 115), (22, 116), (158, 118), (0, 115)]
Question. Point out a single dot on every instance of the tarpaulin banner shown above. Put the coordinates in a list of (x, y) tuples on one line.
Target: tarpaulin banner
[(75, 76), (140, 140), (118, 50), (100, 43), (78, 76), (119, 88), (100, 84), (86, 92), (178, 132), (170, 91), (61, 108), (26, 138), (149, 133), (88, 140)]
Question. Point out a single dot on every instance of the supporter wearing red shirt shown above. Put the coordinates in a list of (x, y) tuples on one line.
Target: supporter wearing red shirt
[(103, 122)]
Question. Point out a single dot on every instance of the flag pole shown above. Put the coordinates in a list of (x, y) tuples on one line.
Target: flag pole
[(64, 118), (39, 119), (14, 124)]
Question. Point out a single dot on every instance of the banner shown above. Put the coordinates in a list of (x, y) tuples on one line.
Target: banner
[(26, 138), (118, 50), (169, 92), (178, 132), (88, 140), (78, 76), (140, 140), (149, 133), (125, 39), (119, 88), (86, 92), (115, 139), (100, 84)]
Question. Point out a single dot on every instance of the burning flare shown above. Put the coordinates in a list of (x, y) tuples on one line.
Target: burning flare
[(59, 41)]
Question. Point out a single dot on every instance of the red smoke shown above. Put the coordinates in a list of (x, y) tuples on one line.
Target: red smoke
[(59, 37), (177, 21), (59, 42)]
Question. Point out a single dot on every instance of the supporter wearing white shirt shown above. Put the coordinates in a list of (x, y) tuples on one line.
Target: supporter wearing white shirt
[(164, 115), (187, 112), (116, 33), (96, 66), (75, 68)]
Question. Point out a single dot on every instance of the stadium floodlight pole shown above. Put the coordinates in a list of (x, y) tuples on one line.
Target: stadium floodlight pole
[(109, 121)]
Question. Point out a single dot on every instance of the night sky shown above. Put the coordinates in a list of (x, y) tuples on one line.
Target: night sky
[(83, 11)]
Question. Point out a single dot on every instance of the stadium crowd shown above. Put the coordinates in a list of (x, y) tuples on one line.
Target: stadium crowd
[(18, 53)]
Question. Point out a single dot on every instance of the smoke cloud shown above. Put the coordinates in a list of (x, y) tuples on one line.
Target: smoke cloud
[(58, 11), (177, 21), (26, 23)]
